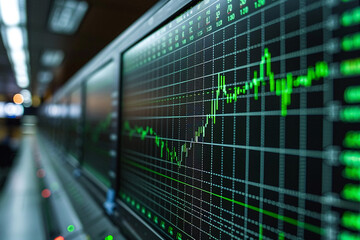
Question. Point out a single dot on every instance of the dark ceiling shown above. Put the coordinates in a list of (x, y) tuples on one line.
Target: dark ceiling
[(103, 22)]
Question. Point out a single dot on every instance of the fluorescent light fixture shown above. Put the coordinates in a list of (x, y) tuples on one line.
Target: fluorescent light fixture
[(66, 15), (45, 77), (14, 35), (27, 97), (18, 57), (10, 12), (13, 110), (26, 94), (21, 69), (15, 38), (52, 58), (22, 81)]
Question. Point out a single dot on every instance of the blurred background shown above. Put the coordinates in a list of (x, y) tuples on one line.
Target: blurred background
[(43, 43)]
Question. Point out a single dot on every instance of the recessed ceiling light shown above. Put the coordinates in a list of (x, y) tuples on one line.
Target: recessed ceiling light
[(10, 12), (66, 15), (52, 58), (14, 38)]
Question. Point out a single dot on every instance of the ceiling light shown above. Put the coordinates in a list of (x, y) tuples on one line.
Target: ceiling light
[(10, 12), (14, 38), (21, 69), (52, 58), (18, 57), (22, 81), (26, 95), (66, 15)]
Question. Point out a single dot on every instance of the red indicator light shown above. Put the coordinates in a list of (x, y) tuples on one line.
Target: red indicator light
[(45, 194), (59, 238)]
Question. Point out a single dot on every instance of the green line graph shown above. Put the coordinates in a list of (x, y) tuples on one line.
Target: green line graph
[(292, 221), (282, 87)]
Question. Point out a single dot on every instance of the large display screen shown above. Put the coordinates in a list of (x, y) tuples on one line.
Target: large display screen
[(99, 122), (74, 141), (241, 121)]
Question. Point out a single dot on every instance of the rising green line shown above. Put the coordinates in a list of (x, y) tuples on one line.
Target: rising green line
[(307, 226), (282, 88)]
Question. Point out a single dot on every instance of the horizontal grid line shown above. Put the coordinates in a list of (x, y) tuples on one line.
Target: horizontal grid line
[(292, 14), (316, 88), (293, 112), (308, 51), (306, 196), (239, 216), (287, 151), (144, 189)]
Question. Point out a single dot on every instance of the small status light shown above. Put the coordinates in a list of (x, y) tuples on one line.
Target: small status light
[(71, 228), (45, 193), (110, 237), (18, 98), (40, 173), (59, 238)]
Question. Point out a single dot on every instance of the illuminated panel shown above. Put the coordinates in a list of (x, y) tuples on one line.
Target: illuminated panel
[(241, 120), (75, 131), (99, 122)]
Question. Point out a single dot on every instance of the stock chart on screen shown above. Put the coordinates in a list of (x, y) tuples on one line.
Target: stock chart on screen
[(240, 120), (99, 123)]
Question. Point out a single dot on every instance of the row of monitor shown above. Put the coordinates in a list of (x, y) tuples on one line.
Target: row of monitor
[(223, 119)]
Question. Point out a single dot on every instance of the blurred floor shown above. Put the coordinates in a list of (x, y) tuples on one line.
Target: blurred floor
[(20, 211)]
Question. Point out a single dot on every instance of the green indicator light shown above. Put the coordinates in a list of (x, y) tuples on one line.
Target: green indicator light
[(149, 215), (110, 237), (351, 220), (179, 236), (351, 192), (171, 230), (281, 236), (162, 224), (352, 94), (128, 199), (138, 206), (352, 139), (350, 67), (345, 235), (351, 17), (350, 158), (350, 114), (156, 220), (351, 42), (71, 228), (133, 203), (143, 211), (351, 173)]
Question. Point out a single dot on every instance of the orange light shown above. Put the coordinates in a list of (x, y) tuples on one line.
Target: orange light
[(18, 98), (59, 238), (45, 193)]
